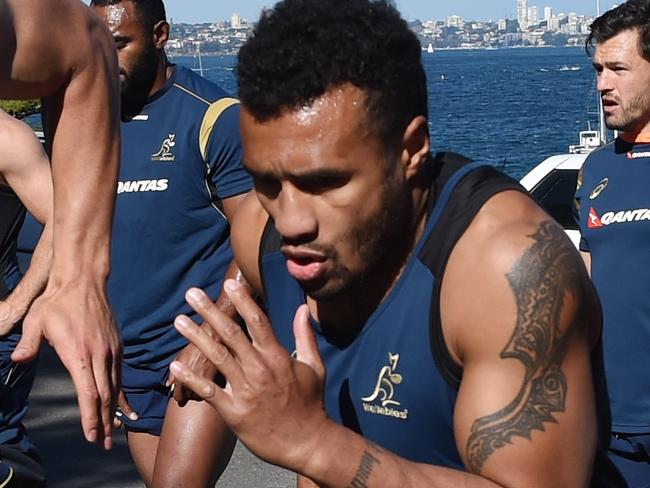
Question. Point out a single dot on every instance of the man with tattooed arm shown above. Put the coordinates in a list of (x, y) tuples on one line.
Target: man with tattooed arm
[(428, 324)]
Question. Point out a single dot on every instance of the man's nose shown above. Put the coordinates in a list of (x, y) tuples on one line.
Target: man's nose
[(296, 219)]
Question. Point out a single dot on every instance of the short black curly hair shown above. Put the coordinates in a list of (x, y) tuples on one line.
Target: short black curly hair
[(633, 14), (300, 49)]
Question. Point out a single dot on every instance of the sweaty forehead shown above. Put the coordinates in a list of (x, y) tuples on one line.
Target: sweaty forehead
[(117, 16), (328, 132), (114, 15)]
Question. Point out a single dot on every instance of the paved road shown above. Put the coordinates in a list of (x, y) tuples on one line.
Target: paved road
[(70, 462)]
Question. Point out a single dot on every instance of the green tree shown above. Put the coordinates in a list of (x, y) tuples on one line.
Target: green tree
[(20, 108)]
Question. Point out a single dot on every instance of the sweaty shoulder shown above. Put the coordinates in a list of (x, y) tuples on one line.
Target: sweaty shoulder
[(246, 234)]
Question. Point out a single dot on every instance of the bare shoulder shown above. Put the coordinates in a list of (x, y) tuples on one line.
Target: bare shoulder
[(246, 235), (50, 40), (512, 256), (518, 315)]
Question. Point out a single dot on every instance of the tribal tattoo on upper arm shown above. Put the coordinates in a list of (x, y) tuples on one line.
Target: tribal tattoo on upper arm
[(540, 279)]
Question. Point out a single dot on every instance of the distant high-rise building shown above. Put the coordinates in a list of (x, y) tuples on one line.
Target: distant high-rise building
[(548, 13), (502, 25), (455, 21), (522, 14), (533, 15), (235, 21)]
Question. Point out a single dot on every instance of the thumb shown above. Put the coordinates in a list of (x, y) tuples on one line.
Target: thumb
[(30, 342), (306, 345)]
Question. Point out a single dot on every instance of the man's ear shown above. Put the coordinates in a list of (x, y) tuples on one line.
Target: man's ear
[(160, 34), (415, 146)]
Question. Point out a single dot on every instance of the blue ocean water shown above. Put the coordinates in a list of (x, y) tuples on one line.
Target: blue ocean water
[(511, 107)]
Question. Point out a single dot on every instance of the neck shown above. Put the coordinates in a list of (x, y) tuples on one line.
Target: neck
[(164, 71), (637, 138)]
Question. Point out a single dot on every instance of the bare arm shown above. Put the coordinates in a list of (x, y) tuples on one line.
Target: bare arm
[(526, 398), (59, 51), (26, 169)]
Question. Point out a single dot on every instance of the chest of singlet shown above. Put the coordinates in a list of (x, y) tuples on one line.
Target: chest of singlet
[(12, 214), (614, 202), (395, 382)]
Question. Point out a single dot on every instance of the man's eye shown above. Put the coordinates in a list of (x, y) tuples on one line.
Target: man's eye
[(323, 183), (268, 187)]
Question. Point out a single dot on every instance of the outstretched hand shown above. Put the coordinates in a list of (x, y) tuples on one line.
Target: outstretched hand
[(77, 322), (273, 403)]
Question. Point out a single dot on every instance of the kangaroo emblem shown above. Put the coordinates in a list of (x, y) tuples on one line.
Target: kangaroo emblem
[(385, 387), (165, 152)]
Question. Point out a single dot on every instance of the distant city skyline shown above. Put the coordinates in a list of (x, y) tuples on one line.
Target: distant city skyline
[(195, 11)]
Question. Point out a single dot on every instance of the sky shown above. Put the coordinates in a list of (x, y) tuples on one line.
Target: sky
[(194, 11)]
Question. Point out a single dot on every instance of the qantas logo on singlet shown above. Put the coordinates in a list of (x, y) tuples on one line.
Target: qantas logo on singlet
[(142, 186), (165, 153), (594, 221), (638, 155), (382, 399)]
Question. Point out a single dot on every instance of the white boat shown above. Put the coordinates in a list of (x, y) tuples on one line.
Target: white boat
[(430, 48), (553, 182)]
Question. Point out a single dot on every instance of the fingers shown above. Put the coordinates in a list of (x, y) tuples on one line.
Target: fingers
[(306, 345), (228, 331), (204, 388), (123, 410), (194, 359), (80, 369), (125, 407), (27, 349), (102, 367), (257, 323), (214, 351)]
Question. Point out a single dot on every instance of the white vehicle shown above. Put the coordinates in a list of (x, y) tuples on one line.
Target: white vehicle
[(553, 184)]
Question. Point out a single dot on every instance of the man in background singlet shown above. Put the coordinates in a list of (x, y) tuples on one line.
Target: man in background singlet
[(442, 322), (57, 50), (181, 180), (613, 202)]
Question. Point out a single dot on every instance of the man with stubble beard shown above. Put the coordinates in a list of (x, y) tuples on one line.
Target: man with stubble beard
[(428, 324), (613, 203), (180, 182)]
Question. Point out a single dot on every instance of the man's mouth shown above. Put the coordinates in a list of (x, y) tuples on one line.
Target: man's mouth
[(609, 102), (305, 266)]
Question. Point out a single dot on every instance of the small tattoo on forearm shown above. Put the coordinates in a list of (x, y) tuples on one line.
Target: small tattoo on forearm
[(364, 471)]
